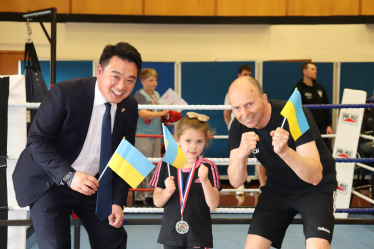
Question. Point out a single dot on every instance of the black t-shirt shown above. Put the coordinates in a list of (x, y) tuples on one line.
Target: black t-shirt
[(279, 174), (196, 213), (316, 95)]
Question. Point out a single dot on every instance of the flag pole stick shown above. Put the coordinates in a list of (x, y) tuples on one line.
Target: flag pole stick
[(102, 173), (283, 122), (163, 129)]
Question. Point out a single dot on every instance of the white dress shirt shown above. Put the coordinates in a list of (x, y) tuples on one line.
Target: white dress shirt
[(89, 158)]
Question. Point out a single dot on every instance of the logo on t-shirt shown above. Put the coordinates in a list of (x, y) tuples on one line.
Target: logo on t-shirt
[(256, 151), (320, 93), (350, 119), (342, 187), (324, 229), (344, 153), (308, 95)]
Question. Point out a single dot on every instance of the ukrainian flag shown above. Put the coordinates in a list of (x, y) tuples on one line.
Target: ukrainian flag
[(131, 165), (173, 154), (293, 111)]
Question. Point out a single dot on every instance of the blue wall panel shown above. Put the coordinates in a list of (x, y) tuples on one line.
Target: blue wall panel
[(357, 76), (65, 70)]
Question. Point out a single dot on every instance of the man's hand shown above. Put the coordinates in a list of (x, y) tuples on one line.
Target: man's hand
[(247, 144), (203, 173), (280, 140), (117, 217), (170, 185), (329, 131), (84, 184)]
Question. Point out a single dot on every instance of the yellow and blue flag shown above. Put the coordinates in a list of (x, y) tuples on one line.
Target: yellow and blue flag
[(130, 164), (293, 111), (173, 154)]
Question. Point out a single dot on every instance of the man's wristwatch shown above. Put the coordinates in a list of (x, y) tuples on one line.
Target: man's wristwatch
[(67, 177)]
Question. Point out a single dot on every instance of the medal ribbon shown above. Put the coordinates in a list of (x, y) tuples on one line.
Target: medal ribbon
[(183, 192), (155, 100)]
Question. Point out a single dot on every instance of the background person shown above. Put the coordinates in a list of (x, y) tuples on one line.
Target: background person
[(55, 174), (149, 123), (314, 93)]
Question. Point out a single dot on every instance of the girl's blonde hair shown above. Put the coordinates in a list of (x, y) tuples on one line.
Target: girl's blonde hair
[(193, 123)]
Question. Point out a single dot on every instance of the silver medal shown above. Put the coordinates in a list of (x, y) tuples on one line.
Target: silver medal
[(182, 227)]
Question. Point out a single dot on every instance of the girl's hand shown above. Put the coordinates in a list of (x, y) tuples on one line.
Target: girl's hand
[(203, 173), (170, 185)]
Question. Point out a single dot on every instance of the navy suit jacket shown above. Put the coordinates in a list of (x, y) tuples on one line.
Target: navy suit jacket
[(57, 135)]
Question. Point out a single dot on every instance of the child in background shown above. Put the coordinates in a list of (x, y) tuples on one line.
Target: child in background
[(149, 123), (188, 224)]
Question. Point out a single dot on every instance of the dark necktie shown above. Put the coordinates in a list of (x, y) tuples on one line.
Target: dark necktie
[(104, 192)]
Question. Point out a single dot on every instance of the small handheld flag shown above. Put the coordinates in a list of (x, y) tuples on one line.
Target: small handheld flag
[(130, 164), (293, 111), (173, 154)]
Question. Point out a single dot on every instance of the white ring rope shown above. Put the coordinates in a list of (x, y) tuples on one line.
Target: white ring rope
[(362, 196), (218, 161), (365, 166), (142, 107), (131, 210), (367, 137)]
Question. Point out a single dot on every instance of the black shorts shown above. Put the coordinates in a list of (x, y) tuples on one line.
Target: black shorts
[(182, 247), (275, 211)]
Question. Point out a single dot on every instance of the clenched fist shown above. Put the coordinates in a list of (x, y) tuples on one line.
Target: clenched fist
[(170, 185), (203, 173), (280, 139), (247, 144)]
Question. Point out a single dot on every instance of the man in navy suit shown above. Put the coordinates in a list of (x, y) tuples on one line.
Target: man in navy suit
[(57, 172)]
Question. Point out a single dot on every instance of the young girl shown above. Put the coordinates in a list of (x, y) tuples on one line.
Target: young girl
[(188, 194)]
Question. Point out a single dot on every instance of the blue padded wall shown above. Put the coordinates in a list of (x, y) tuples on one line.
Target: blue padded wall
[(357, 76), (65, 70)]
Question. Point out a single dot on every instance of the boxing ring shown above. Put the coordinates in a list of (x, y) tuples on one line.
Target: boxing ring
[(360, 162)]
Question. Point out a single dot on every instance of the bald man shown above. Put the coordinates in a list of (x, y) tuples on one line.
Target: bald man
[(301, 174)]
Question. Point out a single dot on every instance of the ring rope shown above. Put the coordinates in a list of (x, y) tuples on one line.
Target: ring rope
[(225, 210), (227, 137), (204, 107), (250, 160), (365, 166)]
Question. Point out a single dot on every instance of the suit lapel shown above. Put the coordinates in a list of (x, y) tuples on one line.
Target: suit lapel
[(87, 101)]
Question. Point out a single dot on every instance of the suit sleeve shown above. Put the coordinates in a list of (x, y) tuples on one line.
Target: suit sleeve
[(47, 123)]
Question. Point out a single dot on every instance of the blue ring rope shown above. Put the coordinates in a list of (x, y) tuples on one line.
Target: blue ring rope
[(334, 106), (354, 160), (355, 210)]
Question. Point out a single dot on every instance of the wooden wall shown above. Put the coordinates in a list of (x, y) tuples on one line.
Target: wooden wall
[(9, 61), (198, 7)]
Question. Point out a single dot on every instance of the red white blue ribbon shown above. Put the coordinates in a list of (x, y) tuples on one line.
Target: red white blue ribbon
[(183, 192)]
